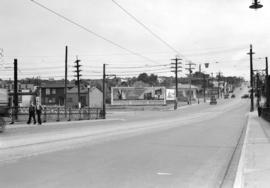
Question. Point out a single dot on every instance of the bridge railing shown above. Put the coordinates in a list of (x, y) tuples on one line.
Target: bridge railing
[(50, 114)]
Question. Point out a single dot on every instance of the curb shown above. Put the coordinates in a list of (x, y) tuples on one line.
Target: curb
[(14, 126), (239, 178)]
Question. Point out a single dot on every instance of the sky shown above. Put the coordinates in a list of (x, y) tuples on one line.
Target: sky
[(218, 32)]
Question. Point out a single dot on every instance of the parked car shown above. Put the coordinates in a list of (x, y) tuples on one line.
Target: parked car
[(213, 100), (245, 96), (233, 96), (226, 96)]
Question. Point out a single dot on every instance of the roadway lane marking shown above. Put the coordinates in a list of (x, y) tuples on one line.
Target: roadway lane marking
[(164, 174)]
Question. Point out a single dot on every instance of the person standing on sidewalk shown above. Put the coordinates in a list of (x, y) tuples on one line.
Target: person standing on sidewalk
[(32, 113), (39, 109)]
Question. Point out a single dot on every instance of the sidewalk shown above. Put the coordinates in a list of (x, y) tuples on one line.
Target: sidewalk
[(254, 165)]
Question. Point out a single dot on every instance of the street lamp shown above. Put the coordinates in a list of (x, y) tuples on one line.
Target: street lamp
[(255, 5)]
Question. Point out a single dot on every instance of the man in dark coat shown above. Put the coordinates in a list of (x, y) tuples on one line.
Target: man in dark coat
[(32, 113), (39, 111)]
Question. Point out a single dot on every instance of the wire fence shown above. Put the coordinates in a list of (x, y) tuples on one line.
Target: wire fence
[(52, 114)]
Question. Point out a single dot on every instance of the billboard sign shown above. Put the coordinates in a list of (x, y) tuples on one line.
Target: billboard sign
[(170, 94), (138, 96)]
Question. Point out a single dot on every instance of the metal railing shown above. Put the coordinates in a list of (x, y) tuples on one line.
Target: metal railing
[(51, 114)]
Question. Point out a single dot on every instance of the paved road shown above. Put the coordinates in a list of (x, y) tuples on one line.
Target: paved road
[(191, 147)]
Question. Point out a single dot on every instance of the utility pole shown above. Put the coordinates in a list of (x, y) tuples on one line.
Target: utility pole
[(15, 96), (251, 78), (190, 68), (176, 67), (204, 85), (266, 66), (78, 75), (257, 88), (219, 75), (104, 91), (66, 72)]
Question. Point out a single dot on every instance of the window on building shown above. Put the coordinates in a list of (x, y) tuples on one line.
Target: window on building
[(48, 91), (53, 100), (53, 91)]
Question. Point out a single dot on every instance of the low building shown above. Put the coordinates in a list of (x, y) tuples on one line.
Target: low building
[(53, 93), (88, 96), (185, 91)]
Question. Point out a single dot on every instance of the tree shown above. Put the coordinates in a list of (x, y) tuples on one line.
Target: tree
[(151, 79), (143, 77)]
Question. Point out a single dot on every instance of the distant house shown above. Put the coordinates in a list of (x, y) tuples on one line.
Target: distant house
[(26, 92), (53, 93), (94, 97), (72, 96), (185, 90)]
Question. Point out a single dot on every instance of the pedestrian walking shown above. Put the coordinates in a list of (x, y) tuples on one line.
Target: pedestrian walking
[(32, 113), (39, 109)]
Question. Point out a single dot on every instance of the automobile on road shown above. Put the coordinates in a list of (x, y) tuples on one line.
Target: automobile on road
[(245, 96), (213, 100)]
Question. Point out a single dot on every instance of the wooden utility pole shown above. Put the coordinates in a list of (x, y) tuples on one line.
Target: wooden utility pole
[(176, 67), (204, 85), (219, 76), (190, 68), (251, 78), (66, 72), (78, 75), (15, 97), (266, 66), (104, 91)]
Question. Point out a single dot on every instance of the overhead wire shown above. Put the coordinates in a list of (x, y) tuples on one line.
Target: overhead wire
[(147, 28), (91, 32), (139, 67)]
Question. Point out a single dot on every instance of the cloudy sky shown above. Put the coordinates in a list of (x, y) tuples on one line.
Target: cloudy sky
[(200, 31)]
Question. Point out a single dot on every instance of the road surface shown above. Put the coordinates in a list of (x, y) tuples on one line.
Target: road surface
[(191, 147)]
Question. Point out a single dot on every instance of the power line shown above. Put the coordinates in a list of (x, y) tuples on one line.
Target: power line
[(139, 67), (146, 70), (91, 32), (147, 28)]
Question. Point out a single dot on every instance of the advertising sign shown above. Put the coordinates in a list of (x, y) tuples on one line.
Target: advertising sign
[(138, 96), (170, 94)]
